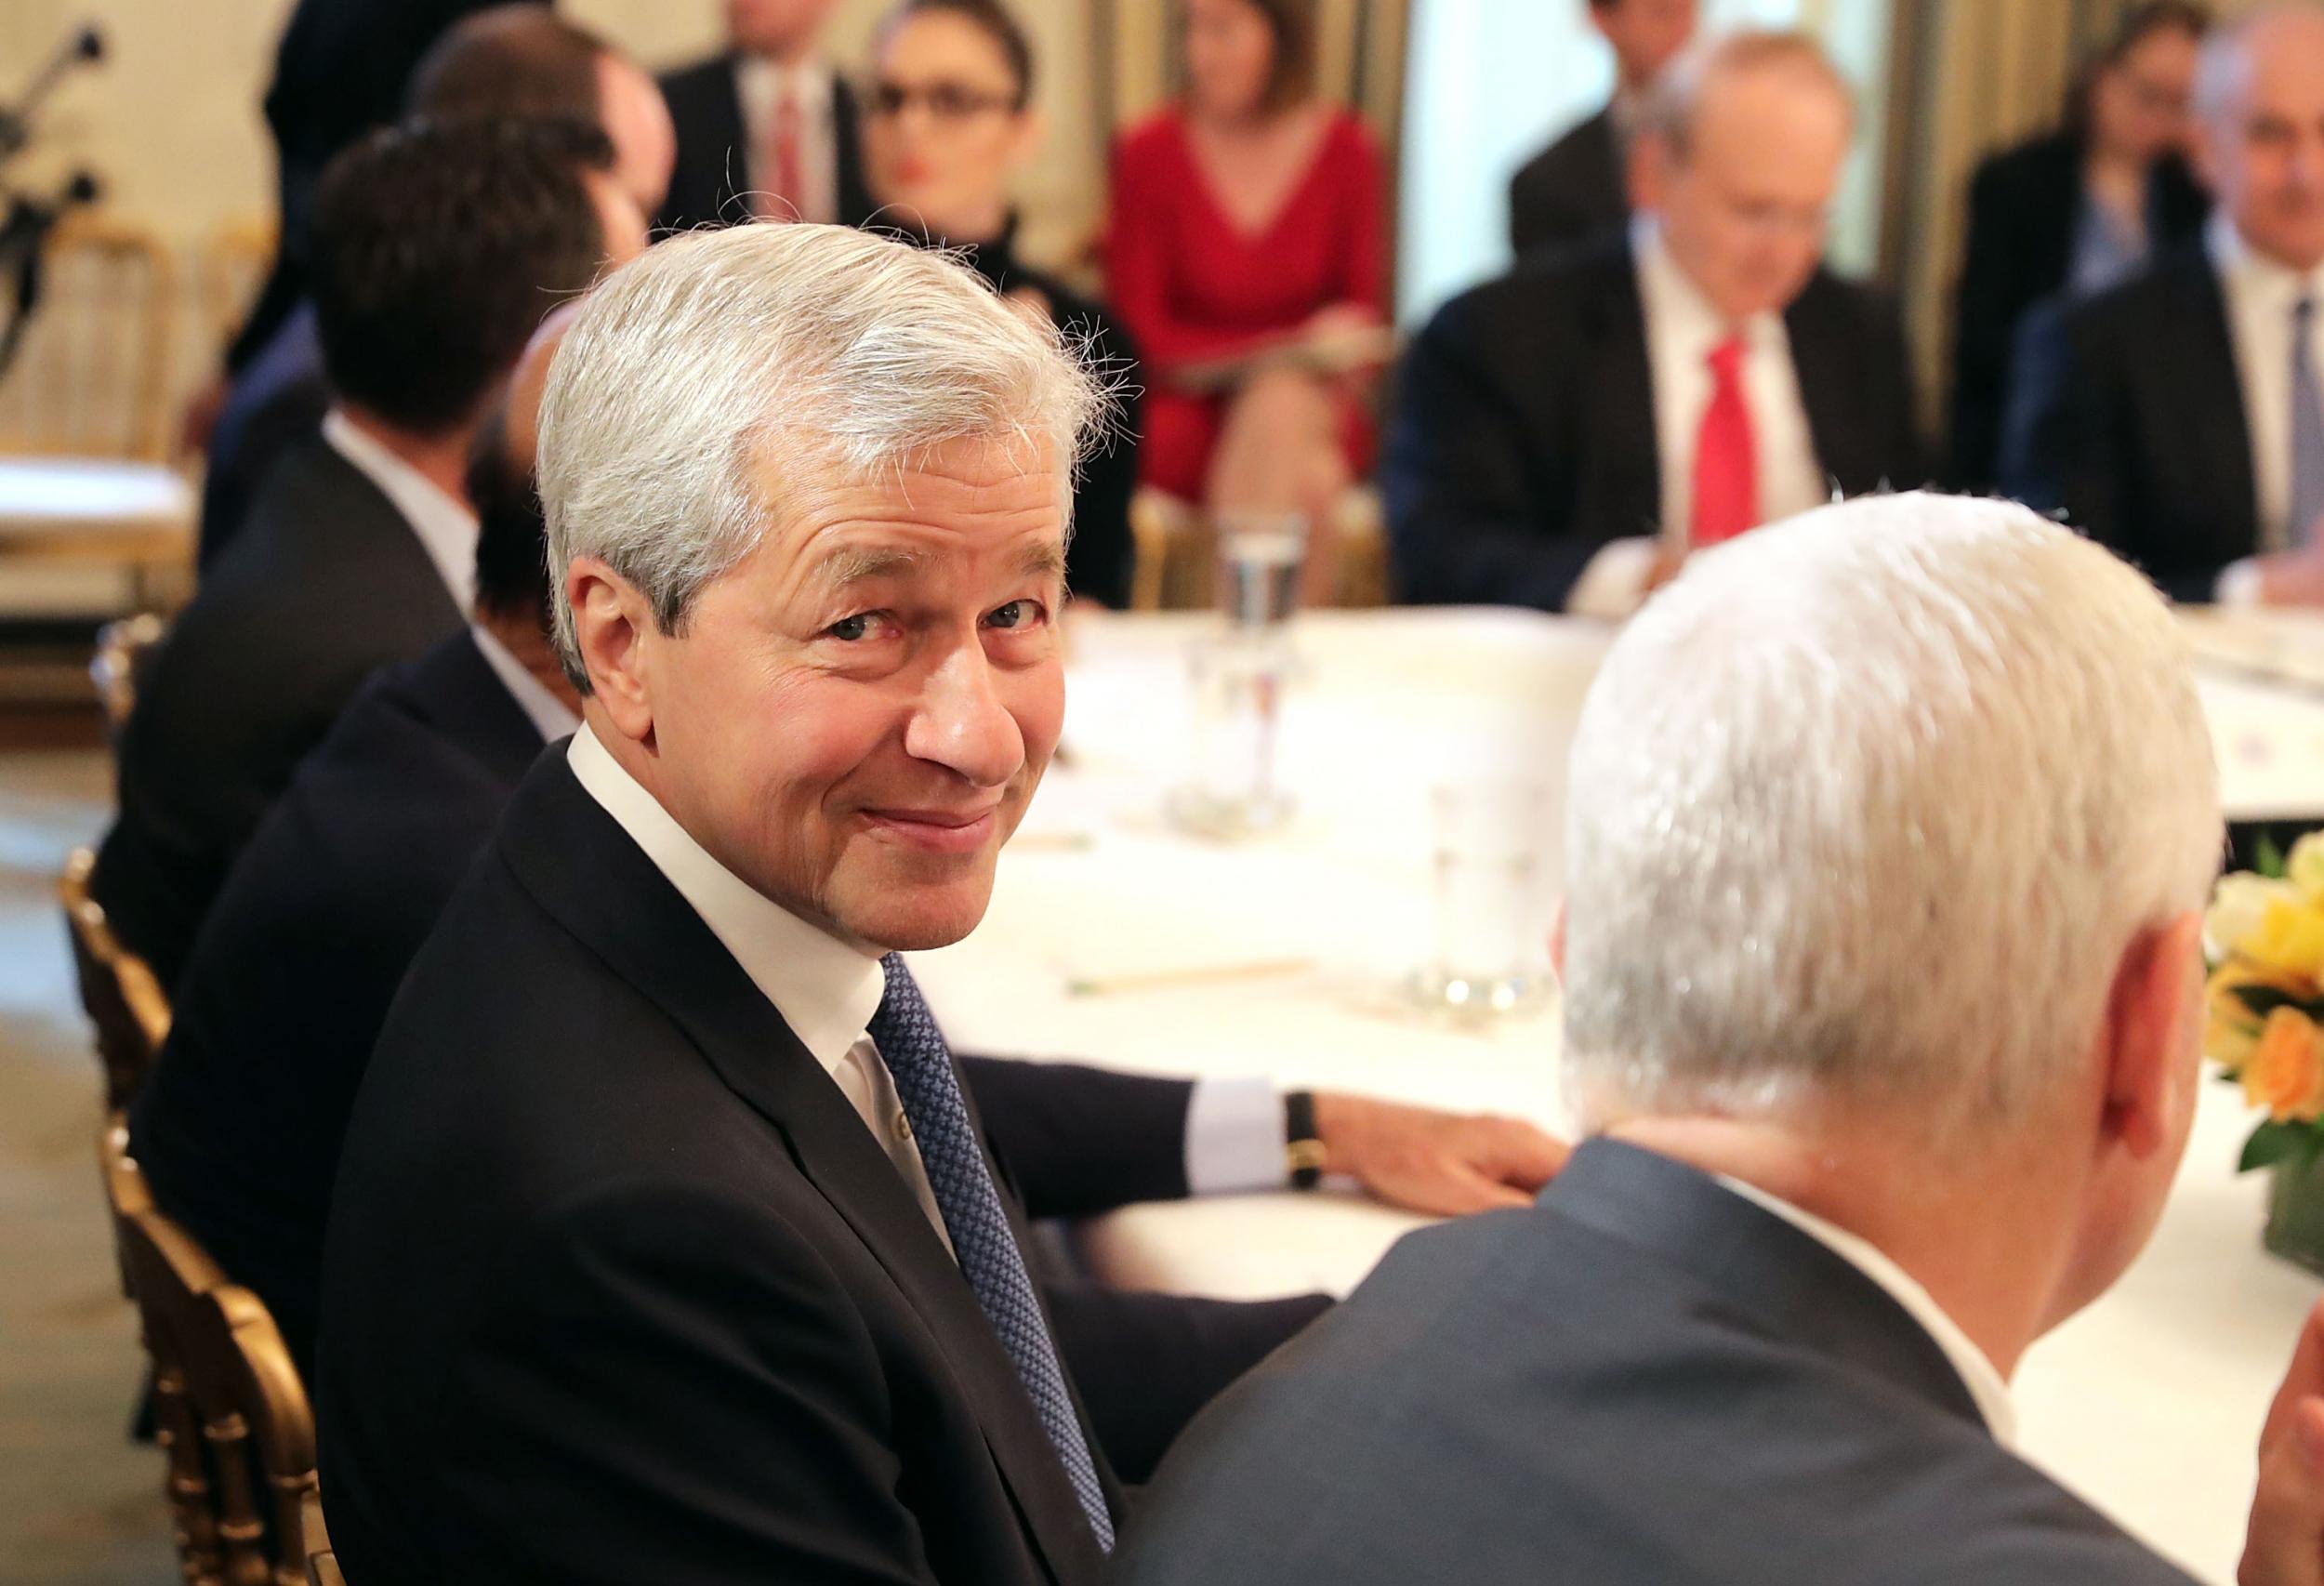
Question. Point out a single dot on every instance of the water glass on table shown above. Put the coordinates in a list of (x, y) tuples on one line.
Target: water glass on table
[(1490, 841), (1231, 789), (1261, 556)]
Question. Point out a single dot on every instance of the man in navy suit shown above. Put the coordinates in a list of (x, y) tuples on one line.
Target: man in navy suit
[(1888, 1072)]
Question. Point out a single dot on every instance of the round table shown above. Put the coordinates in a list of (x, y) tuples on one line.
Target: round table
[(2148, 1404)]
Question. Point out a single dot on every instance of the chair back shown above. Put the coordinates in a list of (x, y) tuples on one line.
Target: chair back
[(234, 266), (91, 378), (122, 648), (125, 1002), (230, 1413)]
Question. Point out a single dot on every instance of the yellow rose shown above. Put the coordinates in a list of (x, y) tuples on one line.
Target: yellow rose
[(2286, 1073), (2304, 867), (2239, 905), (2290, 938)]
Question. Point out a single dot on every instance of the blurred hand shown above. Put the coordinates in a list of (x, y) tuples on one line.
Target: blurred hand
[(2284, 1546), (2292, 577), (1339, 318), (1667, 562), (1442, 1163)]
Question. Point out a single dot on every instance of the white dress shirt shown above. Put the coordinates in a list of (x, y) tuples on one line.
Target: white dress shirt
[(547, 712), (446, 529), (760, 84), (2259, 293), (828, 992), (1682, 329), (1977, 1373)]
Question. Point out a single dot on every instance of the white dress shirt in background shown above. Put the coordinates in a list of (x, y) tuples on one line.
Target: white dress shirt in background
[(2259, 295), (446, 529), (1682, 329), (760, 84)]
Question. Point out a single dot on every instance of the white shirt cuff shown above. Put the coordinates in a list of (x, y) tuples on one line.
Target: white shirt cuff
[(2238, 585), (1234, 1137), (1613, 585)]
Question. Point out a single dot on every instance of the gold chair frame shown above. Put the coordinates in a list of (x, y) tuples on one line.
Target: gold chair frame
[(124, 1000)]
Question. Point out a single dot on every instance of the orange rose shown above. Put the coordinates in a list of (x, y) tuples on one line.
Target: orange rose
[(2286, 1073), (2231, 1031)]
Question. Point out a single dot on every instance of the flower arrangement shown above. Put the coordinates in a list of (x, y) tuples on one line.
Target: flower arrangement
[(2263, 1004)]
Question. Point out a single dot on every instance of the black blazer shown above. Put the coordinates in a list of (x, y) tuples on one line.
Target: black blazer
[(1572, 192), (2128, 416), (1522, 440), (1644, 1379), (326, 583), (713, 167), (240, 1127), (675, 1315), (2024, 208), (277, 400)]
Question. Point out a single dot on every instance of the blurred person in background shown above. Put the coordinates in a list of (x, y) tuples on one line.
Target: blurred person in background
[(947, 127), (2179, 419), (1578, 187), (1564, 436), (514, 59), (1246, 252), (766, 129), (2075, 211), (438, 249)]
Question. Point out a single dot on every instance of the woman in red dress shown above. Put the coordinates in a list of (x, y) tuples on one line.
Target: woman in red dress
[(1247, 255)]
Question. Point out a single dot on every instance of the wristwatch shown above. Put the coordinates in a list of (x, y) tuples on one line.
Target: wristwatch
[(1303, 1149)]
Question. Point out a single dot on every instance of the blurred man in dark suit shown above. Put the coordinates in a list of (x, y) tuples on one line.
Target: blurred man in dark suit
[(661, 1170), (511, 61), (1866, 1120), (766, 129), (1565, 435), (2179, 419), (1578, 187), (437, 251)]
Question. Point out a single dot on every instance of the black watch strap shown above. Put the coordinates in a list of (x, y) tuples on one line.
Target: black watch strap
[(1303, 1152)]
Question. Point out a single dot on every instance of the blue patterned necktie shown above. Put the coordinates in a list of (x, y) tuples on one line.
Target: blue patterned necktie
[(2307, 428), (915, 1051)]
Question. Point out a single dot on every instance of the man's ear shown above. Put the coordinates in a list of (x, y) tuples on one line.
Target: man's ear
[(612, 625), (1557, 941), (2148, 1039)]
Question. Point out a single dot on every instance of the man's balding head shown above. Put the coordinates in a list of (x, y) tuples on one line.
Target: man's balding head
[(2258, 104)]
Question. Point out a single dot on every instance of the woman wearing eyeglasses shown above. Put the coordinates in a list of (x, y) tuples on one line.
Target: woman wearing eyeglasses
[(947, 125), (2075, 211), (1246, 252)]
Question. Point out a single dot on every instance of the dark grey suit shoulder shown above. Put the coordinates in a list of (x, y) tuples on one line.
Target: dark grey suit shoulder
[(1572, 192), (1643, 1379)]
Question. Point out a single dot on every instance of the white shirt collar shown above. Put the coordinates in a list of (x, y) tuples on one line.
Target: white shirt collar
[(552, 716), (824, 989), (2246, 269), (1977, 1374), (761, 83), (1672, 298), (446, 529)]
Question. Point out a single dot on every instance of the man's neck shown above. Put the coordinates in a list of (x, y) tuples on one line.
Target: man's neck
[(790, 54), (442, 460), (520, 634), (1964, 1236)]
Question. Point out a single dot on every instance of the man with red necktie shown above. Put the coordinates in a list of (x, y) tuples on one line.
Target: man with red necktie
[(1566, 434)]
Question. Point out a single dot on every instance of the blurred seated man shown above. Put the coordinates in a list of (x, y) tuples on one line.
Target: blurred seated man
[(513, 59), (2179, 419), (949, 127), (1565, 435), (1886, 1080), (661, 1173), (766, 129), (1578, 187), (437, 250), (238, 1130)]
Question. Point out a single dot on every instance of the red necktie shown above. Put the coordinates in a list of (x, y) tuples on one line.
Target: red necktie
[(1726, 470), (788, 200)]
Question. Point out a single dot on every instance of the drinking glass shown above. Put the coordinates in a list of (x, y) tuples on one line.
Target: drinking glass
[(1489, 843)]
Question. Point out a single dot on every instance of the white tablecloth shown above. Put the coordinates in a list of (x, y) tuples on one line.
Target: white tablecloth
[(2148, 1404)]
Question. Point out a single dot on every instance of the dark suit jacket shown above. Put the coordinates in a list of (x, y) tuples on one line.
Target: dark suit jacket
[(2128, 417), (240, 1127), (277, 400), (1574, 191), (326, 583), (1644, 1379), (1522, 440), (618, 1288), (2024, 206), (714, 149)]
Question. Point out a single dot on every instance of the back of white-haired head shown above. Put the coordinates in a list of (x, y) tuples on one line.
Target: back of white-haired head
[(714, 367), (1863, 811)]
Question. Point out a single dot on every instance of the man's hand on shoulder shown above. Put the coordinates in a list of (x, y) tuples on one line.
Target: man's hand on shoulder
[(1444, 1163)]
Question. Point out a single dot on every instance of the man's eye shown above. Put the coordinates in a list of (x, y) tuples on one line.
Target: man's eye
[(848, 629), (1016, 614)]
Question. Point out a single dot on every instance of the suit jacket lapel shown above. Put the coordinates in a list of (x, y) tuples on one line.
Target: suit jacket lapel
[(1624, 448), (575, 859), (1824, 360), (467, 702)]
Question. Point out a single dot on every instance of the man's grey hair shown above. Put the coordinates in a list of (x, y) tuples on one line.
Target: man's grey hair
[(716, 365), (1863, 811), (1676, 98), (2223, 71)]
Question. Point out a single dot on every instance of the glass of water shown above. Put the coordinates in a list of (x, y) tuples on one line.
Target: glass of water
[(1261, 556), (1489, 861), (1232, 787)]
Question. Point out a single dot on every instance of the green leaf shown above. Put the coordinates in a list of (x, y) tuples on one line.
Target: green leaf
[(2265, 1000), (2267, 858), (2276, 1143)]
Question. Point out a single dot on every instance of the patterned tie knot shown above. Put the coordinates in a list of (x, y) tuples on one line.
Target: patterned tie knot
[(1726, 360)]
